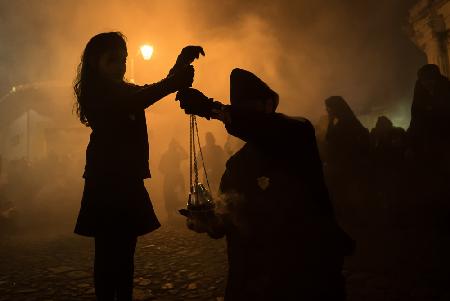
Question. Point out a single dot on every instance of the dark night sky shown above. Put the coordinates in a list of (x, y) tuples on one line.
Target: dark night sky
[(307, 49)]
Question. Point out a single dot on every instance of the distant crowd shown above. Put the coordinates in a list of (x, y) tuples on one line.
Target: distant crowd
[(41, 192), (388, 175), (392, 175)]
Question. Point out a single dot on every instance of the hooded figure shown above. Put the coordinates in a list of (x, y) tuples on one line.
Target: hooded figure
[(387, 143), (428, 135), (215, 157), (173, 185), (283, 240), (430, 111), (347, 139), (347, 145)]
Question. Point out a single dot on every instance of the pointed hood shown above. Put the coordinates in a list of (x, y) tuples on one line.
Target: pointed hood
[(247, 87)]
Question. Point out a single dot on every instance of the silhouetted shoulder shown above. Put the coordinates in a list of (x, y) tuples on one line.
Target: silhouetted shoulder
[(299, 123), (238, 154), (303, 121)]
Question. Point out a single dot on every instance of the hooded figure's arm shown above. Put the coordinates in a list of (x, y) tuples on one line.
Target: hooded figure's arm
[(247, 124), (263, 128), (274, 133), (213, 225)]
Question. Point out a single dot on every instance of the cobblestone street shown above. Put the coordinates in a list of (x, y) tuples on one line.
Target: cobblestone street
[(171, 264), (177, 264)]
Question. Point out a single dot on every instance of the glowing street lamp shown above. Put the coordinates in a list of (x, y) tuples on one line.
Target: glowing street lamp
[(146, 51)]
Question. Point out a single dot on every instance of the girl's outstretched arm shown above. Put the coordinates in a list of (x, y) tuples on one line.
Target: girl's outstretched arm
[(127, 97)]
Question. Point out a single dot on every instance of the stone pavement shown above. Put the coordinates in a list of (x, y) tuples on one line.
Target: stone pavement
[(171, 264), (177, 264)]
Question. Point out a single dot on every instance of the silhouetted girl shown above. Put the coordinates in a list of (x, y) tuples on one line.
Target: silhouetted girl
[(116, 207)]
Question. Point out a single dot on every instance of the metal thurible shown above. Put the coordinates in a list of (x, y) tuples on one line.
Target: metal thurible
[(200, 198)]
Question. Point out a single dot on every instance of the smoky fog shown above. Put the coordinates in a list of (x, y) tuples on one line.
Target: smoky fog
[(344, 195), (306, 50)]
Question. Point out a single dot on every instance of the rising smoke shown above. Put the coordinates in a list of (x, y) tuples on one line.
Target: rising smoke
[(306, 50)]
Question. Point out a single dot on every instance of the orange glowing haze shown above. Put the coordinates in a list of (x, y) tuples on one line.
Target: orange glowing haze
[(305, 50)]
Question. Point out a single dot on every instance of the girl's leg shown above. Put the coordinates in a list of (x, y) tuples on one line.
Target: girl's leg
[(125, 268), (104, 268)]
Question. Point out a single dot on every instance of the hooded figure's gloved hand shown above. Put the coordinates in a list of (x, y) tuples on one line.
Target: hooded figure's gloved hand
[(196, 225), (193, 101)]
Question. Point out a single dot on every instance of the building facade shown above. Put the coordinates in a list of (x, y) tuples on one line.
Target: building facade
[(429, 29)]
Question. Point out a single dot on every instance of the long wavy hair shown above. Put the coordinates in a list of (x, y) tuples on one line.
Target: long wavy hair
[(88, 78)]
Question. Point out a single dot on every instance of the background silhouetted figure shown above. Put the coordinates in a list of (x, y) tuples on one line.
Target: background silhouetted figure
[(429, 129), (321, 128), (347, 138), (174, 191), (429, 136), (8, 212), (115, 206), (283, 240), (429, 164), (430, 124), (346, 156), (388, 143), (387, 149), (215, 158)]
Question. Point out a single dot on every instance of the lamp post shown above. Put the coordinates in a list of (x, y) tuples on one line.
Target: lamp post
[(146, 51)]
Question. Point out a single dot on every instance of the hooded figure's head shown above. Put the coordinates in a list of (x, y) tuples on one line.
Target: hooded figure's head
[(429, 72), (384, 124), (429, 77), (250, 92), (337, 106)]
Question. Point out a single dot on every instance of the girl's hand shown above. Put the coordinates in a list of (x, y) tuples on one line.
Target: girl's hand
[(189, 54), (181, 78)]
